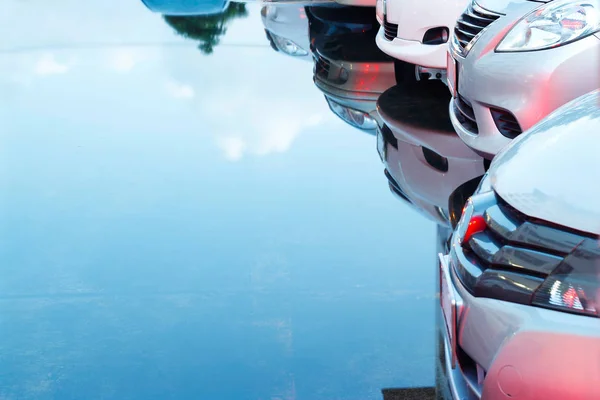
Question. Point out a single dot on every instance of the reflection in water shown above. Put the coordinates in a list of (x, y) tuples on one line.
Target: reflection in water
[(286, 28), (349, 68), (425, 161), (427, 393), (186, 7), (144, 263), (207, 29)]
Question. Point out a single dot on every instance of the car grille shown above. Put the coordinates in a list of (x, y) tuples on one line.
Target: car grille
[(322, 66), (465, 114), (510, 259), (390, 30), (506, 123), (471, 22)]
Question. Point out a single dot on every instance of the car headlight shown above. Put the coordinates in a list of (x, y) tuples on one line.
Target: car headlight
[(554, 24), (287, 46), (356, 118)]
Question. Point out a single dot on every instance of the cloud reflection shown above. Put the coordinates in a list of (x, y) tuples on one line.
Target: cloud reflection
[(48, 65), (180, 90), (233, 147)]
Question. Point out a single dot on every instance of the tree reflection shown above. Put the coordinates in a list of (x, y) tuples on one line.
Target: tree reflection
[(207, 29)]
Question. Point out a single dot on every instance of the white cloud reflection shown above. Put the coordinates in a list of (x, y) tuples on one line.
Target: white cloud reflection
[(48, 65), (265, 134), (122, 60), (233, 147), (263, 111), (180, 90)]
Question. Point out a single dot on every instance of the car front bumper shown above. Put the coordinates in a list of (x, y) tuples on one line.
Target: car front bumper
[(526, 352), (413, 52), (528, 85)]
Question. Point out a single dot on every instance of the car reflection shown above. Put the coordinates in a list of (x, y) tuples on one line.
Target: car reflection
[(349, 68), (187, 7), (426, 163), (286, 27)]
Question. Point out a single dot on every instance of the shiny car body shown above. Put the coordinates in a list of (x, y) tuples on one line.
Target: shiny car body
[(417, 32), (520, 288), (286, 27), (349, 68), (505, 80), (425, 162), (186, 7)]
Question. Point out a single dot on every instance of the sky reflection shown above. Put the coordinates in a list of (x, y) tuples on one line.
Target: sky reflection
[(177, 225)]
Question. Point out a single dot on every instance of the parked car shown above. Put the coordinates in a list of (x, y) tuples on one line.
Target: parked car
[(512, 62), (186, 7), (520, 288), (426, 164), (417, 33), (349, 68), (286, 27)]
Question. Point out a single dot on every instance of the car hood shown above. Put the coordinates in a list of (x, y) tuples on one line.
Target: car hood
[(501, 5), (549, 172)]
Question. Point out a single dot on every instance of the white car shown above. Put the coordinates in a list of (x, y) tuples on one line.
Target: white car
[(426, 164), (417, 33), (520, 287), (286, 27), (513, 62)]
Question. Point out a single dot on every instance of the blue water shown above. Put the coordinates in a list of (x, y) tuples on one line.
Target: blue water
[(177, 225)]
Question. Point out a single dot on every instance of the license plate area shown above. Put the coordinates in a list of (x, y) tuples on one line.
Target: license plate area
[(450, 303)]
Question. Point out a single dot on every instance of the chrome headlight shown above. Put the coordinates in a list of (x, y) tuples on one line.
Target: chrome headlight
[(554, 24), (287, 46), (358, 119)]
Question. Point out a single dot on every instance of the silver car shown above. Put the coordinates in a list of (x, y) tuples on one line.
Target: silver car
[(512, 62), (520, 287)]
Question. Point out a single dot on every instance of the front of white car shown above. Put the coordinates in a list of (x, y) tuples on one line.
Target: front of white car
[(520, 288), (512, 62), (417, 32)]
